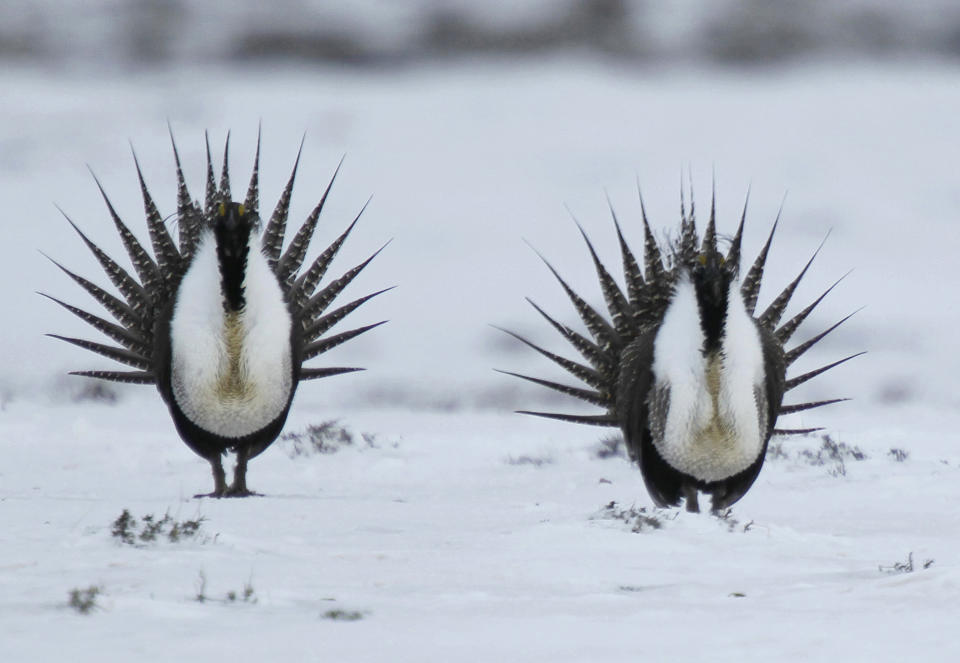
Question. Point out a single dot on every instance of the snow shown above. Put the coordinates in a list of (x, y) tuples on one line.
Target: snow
[(468, 532)]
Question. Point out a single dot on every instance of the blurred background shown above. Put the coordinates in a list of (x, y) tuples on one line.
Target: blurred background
[(474, 125), (136, 33)]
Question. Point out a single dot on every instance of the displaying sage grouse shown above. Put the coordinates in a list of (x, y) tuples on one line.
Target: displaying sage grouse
[(223, 320), (691, 375)]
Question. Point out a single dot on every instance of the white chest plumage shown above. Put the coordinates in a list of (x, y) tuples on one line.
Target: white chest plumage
[(711, 425), (230, 372)]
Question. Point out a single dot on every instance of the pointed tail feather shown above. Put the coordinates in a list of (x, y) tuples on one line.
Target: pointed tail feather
[(272, 241), (798, 351), (709, 243), (129, 339), (620, 310), (795, 431), (581, 372), (117, 354), (800, 379), (130, 289), (146, 268), (800, 407), (211, 195), (590, 420), (600, 329), (323, 324), (770, 318), (224, 189), (168, 257), (786, 331), (130, 377), (293, 257), (733, 255), (189, 217), (587, 349), (252, 200), (653, 269), (323, 345), (594, 397), (631, 270), (305, 285), (316, 373), (750, 287), (118, 309), (318, 303)]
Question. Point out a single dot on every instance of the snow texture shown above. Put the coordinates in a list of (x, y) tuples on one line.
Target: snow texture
[(448, 546)]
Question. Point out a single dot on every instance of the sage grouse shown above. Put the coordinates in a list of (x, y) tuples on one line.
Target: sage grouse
[(223, 320), (684, 366)]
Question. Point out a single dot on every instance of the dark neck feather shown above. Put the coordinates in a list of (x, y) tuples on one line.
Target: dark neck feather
[(232, 234), (712, 291)]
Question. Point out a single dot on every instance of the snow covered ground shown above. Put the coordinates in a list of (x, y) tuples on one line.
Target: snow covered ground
[(466, 532)]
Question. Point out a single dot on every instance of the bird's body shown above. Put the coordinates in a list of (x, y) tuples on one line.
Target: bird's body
[(223, 323), (694, 381)]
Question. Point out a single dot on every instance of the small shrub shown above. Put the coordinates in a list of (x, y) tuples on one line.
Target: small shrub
[(325, 438), (832, 453), (149, 529), (84, 600), (905, 566), (95, 391), (898, 455), (732, 523), (201, 595), (343, 615), (611, 446), (536, 461), (775, 450), (638, 519), (246, 595)]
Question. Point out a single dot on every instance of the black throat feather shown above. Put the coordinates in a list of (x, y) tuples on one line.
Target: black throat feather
[(232, 233), (712, 291)]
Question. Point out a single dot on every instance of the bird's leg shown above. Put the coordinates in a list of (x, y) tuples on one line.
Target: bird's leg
[(690, 495), (239, 486), (219, 478)]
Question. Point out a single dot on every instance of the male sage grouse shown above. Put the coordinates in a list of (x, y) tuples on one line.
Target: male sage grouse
[(223, 320), (684, 366)]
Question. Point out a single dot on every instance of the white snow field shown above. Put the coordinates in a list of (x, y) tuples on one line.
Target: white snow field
[(465, 532)]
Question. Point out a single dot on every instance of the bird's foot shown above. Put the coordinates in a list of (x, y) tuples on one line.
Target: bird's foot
[(240, 491), (213, 494)]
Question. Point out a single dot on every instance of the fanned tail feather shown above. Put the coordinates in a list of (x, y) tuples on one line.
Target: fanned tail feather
[(130, 377), (323, 345), (590, 420), (272, 241), (252, 200), (129, 339), (800, 379), (130, 289), (594, 397), (770, 318), (317, 373), (800, 407), (293, 257), (117, 354), (786, 331), (750, 286), (306, 284), (321, 325)]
